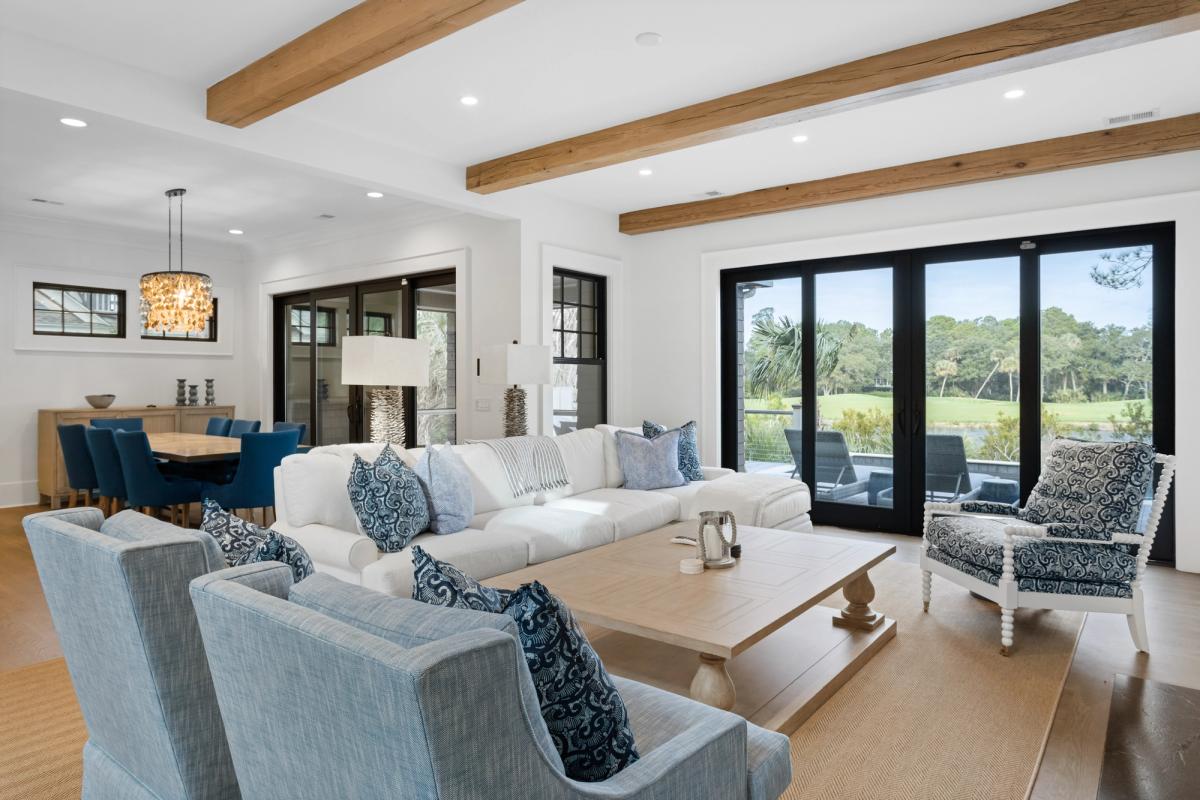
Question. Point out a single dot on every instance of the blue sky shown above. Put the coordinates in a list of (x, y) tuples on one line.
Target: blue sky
[(966, 290)]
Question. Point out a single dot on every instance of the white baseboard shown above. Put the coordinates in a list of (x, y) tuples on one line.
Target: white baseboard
[(18, 493)]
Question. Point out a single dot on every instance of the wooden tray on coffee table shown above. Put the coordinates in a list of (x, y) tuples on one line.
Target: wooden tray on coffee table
[(765, 649)]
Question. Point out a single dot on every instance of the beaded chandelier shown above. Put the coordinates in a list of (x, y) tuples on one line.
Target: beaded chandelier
[(176, 301)]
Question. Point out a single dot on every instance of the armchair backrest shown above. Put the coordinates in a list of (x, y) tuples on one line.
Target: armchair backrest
[(242, 426), (253, 485), (346, 713), (218, 426), (118, 595)]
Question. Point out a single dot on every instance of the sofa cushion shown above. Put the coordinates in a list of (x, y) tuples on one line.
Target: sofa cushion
[(980, 543), (313, 486), (1095, 484), (388, 500), (489, 484), (650, 463), (447, 484), (630, 510), (553, 532), (481, 554), (613, 477), (689, 449), (583, 455), (686, 495)]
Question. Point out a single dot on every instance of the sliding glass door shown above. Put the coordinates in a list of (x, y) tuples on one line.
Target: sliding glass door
[(309, 328), (943, 374)]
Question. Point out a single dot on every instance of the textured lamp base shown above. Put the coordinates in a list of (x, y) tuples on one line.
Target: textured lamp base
[(387, 416), (514, 412)]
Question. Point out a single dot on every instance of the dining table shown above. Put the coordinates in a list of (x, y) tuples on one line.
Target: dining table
[(190, 448)]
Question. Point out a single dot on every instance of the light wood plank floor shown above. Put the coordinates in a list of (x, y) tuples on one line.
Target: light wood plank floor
[(1069, 771)]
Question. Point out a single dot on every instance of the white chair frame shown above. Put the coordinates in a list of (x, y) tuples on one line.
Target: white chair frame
[(1005, 593)]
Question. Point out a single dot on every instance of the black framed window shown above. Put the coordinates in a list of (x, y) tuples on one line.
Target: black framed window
[(301, 325), (61, 310), (579, 345), (377, 323), (208, 334)]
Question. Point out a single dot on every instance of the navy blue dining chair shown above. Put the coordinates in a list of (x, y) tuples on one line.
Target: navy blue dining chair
[(218, 426), (253, 485), (147, 488), (118, 423), (292, 426), (81, 474), (102, 445), (244, 426)]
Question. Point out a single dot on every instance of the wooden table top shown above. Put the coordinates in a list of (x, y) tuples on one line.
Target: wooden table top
[(190, 447), (635, 585)]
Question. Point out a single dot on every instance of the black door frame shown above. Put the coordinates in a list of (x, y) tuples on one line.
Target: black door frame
[(909, 349), (407, 285)]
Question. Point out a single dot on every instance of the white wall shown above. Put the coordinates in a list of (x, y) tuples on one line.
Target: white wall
[(61, 370), (672, 286)]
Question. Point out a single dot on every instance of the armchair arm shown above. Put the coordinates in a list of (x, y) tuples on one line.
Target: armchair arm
[(708, 748), (1060, 532), (989, 507)]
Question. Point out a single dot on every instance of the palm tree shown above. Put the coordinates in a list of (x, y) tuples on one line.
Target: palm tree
[(1011, 365), (778, 364), (946, 368)]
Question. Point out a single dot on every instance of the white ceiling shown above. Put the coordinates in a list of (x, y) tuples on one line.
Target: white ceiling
[(115, 172), (547, 69)]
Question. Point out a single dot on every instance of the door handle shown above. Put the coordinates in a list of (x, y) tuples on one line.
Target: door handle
[(901, 416)]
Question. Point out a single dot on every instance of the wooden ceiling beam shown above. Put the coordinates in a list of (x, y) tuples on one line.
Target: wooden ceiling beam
[(1056, 34), (1161, 137), (359, 39)]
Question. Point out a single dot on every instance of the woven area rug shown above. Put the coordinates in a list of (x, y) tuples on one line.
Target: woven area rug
[(938, 713), (41, 734)]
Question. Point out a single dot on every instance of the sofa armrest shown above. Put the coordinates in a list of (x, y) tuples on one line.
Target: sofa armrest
[(712, 473), (333, 546)]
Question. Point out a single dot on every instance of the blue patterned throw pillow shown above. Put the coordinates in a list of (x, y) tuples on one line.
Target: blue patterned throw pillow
[(586, 718), (689, 449), (388, 500), (650, 463), (244, 542)]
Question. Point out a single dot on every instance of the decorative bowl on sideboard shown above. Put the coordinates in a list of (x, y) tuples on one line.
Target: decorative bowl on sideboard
[(100, 400)]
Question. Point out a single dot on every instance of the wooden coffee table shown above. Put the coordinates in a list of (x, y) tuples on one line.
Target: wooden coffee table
[(766, 649)]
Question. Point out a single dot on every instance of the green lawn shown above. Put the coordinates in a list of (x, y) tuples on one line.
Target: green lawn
[(961, 410)]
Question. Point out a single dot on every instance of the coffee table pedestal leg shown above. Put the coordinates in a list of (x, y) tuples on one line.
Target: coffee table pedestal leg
[(858, 613), (712, 684)]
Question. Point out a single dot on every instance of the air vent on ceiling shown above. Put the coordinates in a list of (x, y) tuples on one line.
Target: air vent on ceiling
[(1137, 116), (47, 202), (324, 216)]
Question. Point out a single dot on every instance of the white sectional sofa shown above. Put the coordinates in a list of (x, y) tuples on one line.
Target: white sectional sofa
[(506, 533)]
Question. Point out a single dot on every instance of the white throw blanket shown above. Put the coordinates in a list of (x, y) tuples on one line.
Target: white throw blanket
[(531, 463), (746, 495)]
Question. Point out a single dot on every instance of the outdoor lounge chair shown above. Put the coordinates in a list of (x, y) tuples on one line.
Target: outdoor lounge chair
[(837, 477)]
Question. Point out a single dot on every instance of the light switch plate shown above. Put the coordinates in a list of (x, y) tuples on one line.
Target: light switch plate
[(483, 404)]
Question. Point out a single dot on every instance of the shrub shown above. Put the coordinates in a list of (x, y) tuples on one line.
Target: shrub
[(867, 431)]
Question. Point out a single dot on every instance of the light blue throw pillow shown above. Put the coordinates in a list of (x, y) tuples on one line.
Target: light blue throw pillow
[(650, 463), (388, 500), (689, 449), (447, 485)]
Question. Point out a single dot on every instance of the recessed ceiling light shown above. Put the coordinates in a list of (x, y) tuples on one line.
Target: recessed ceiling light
[(469, 100), (71, 122), (374, 195), (799, 138), (1014, 94), (648, 39), (236, 232), (645, 171)]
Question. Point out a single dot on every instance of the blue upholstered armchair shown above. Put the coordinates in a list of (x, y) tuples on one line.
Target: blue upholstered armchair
[(118, 595), (330, 690), (1074, 546)]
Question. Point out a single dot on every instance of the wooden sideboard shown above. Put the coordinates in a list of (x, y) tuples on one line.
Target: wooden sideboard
[(52, 472)]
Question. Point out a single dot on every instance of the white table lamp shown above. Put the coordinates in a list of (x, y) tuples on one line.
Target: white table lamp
[(515, 365), (385, 363)]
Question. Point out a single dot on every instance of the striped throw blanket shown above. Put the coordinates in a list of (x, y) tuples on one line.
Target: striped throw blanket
[(531, 463)]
